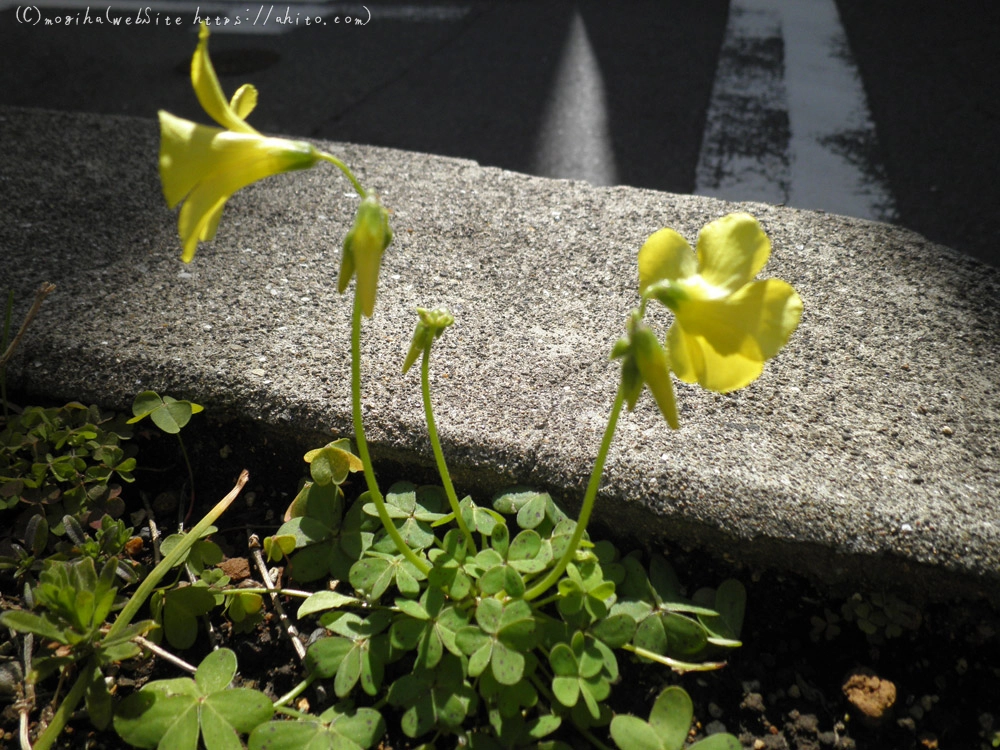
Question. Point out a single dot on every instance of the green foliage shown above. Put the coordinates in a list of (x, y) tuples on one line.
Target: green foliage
[(169, 414), (881, 616), (462, 649), (174, 713), (340, 727), (328, 543), (60, 461), (75, 601), (667, 728)]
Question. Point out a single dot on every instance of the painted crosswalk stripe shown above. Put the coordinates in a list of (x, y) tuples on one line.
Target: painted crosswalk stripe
[(788, 120)]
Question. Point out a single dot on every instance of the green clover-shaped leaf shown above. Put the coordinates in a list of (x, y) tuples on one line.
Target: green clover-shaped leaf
[(667, 728), (169, 414), (376, 573), (333, 462), (366, 654), (178, 610), (340, 727), (441, 697), (173, 713)]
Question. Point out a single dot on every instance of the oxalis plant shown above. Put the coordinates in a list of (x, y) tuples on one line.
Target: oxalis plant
[(448, 622)]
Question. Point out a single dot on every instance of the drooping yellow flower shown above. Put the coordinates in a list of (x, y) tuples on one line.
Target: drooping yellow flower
[(203, 166), (726, 325)]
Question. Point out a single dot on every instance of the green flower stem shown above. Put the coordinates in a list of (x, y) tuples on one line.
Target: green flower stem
[(449, 488), (544, 602), (343, 168), (588, 503), (67, 707), (359, 437)]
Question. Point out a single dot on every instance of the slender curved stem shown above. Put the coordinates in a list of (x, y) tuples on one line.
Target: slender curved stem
[(43, 291), (359, 437), (678, 666), (449, 488), (295, 692), (176, 555), (588, 503), (343, 168), (67, 706)]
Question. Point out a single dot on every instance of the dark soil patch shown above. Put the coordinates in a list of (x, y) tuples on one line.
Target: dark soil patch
[(782, 689)]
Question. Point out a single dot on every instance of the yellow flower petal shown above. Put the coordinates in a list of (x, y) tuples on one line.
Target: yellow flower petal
[(209, 92), (665, 255), (244, 100), (197, 223), (694, 360), (179, 173), (207, 165), (755, 322), (731, 251)]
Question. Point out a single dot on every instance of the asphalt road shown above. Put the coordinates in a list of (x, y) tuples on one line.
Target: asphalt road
[(612, 93)]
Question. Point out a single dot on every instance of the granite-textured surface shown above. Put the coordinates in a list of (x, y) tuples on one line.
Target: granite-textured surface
[(869, 451)]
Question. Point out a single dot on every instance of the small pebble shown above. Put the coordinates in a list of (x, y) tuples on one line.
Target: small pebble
[(947, 431), (715, 727), (827, 739), (714, 711)]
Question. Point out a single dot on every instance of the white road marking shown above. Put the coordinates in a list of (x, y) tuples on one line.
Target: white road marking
[(574, 141), (788, 120)]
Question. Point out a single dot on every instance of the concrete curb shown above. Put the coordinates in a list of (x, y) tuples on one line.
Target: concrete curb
[(868, 453)]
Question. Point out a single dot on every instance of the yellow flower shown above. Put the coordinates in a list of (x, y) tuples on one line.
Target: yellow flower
[(203, 166), (726, 325), (363, 248)]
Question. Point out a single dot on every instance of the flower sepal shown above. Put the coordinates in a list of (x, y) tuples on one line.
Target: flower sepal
[(667, 293), (430, 326), (644, 362)]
